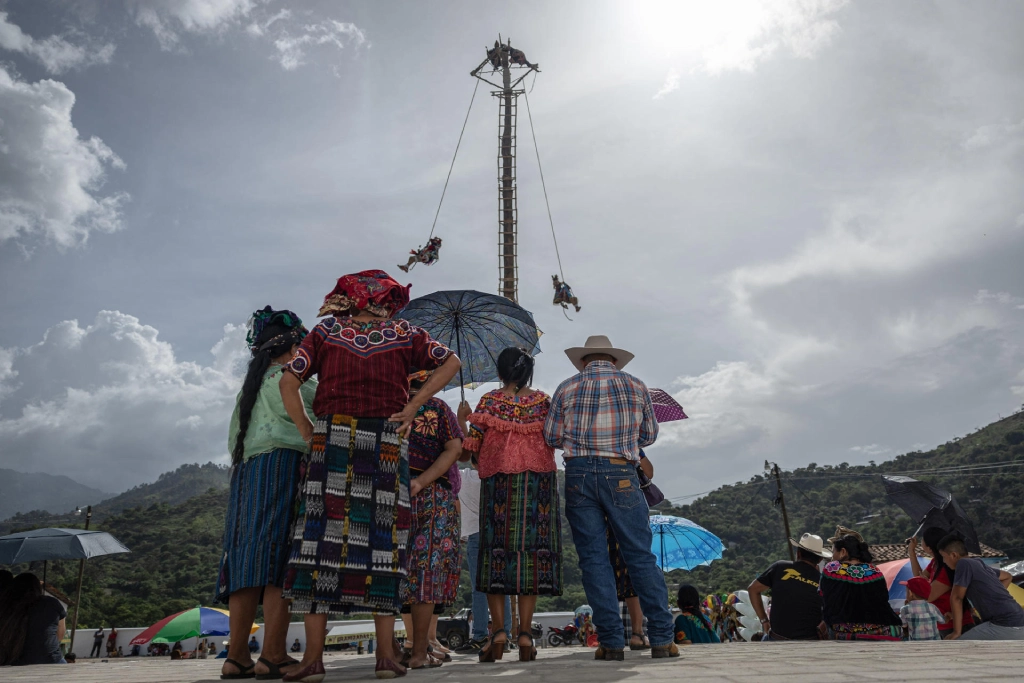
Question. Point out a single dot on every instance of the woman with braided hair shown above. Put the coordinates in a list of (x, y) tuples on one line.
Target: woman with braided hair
[(266, 451), (520, 534)]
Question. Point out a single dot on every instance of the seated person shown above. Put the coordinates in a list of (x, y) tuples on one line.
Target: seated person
[(296, 647), (31, 624), (691, 625), (855, 597), (986, 588), (796, 605), (254, 645), (920, 617)]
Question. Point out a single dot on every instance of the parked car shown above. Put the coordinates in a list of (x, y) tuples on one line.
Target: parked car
[(453, 631)]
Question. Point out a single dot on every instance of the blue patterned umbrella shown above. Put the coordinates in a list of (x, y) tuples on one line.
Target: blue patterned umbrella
[(680, 544), (477, 326)]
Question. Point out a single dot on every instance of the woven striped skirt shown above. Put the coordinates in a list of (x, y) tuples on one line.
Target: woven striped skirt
[(520, 535), (434, 561), (348, 551), (257, 530)]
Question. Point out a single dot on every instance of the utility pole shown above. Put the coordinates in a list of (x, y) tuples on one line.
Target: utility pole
[(780, 501), (78, 596)]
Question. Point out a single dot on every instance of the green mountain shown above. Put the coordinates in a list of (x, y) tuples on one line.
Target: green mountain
[(983, 470), (176, 541), (25, 491), (171, 488)]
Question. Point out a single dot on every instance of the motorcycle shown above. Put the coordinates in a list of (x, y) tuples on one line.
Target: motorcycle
[(536, 630), (567, 635)]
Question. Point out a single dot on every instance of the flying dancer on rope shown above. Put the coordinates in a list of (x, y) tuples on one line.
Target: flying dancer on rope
[(427, 255), (563, 294)]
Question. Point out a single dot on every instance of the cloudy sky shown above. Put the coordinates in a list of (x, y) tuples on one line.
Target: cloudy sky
[(806, 218)]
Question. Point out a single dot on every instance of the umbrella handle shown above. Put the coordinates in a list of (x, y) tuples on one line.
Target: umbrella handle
[(458, 350)]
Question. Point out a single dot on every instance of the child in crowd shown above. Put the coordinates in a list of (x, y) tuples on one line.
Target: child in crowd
[(920, 617), (692, 626)]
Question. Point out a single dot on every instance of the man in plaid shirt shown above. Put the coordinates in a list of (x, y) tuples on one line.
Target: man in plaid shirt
[(600, 419)]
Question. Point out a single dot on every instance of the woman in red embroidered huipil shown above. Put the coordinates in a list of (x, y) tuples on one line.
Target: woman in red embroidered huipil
[(520, 529), (349, 546)]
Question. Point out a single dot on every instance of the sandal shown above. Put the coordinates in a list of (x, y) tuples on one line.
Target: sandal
[(243, 671), (314, 673), (432, 662), (643, 643), (440, 654), (527, 653), (492, 651), (387, 668), (274, 672)]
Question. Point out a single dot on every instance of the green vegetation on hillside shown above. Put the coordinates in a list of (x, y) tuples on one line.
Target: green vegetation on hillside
[(820, 497), (170, 488), (176, 543)]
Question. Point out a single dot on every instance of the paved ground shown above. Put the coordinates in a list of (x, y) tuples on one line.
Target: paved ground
[(740, 663)]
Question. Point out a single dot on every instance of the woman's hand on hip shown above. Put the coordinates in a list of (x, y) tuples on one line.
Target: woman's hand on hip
[(405, 418)]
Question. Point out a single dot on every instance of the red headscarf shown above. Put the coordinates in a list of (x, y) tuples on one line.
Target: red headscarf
[(371, 290)]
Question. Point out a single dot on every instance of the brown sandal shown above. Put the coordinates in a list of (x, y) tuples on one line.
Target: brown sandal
[(492, 651)]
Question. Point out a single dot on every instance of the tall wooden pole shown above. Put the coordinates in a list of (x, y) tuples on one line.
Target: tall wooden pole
[(781, 500), (78, 594), (506, 151)]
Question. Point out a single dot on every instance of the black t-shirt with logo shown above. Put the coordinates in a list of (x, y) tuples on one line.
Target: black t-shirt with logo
[(796, 605)]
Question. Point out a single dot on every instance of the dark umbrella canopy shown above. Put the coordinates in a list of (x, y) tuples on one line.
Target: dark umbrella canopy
[(931, 506), (57, 544), (477, 327)]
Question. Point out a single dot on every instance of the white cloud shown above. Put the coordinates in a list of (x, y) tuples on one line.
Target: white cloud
[(292, 48), (872, 450), (1004, 134), (169, 18), (1002, 298), (56, 53), (258, 28), (671, 84), (52, 178), (109, 403), (734, 35)]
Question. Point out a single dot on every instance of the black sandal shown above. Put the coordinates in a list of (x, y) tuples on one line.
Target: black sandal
[(243, 671), (492, 651), (274, 672)]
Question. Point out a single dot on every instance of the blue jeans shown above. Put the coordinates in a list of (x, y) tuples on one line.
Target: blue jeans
[(481, 615), (989, 631), (597, 490)]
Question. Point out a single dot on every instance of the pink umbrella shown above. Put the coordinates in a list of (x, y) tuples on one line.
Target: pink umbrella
[(666, 409)]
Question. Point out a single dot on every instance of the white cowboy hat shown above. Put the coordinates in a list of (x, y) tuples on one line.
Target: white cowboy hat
[(813, 544), (598, 344)]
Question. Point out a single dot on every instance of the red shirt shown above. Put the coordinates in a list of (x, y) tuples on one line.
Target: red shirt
[(942, 602), (363, 367)]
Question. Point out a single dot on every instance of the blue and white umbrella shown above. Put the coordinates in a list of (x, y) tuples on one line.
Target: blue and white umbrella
[(680, 544)]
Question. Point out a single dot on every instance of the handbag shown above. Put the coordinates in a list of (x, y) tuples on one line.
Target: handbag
[(650, 490)]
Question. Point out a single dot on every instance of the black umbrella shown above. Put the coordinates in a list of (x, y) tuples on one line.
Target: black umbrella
[(478, 326), (931, 506)]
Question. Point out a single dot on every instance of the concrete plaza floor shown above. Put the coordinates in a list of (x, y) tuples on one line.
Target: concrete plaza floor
[(741, 663)]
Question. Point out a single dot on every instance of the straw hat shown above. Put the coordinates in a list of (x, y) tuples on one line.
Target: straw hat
[(598, 344), (843, 531), (812, 544)]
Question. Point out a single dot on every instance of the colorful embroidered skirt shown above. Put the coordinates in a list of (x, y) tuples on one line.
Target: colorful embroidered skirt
[(623, 584), (865, 632), (520, 535), (257, 529), (434, 565), (348, 550)]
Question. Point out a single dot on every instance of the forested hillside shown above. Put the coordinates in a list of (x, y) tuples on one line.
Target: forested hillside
[(983, 470), (176, 546), (25, 491), (171, 488)]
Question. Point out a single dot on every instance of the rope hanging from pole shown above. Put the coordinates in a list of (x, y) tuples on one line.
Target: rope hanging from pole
[(454, 156), (540, 168)]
